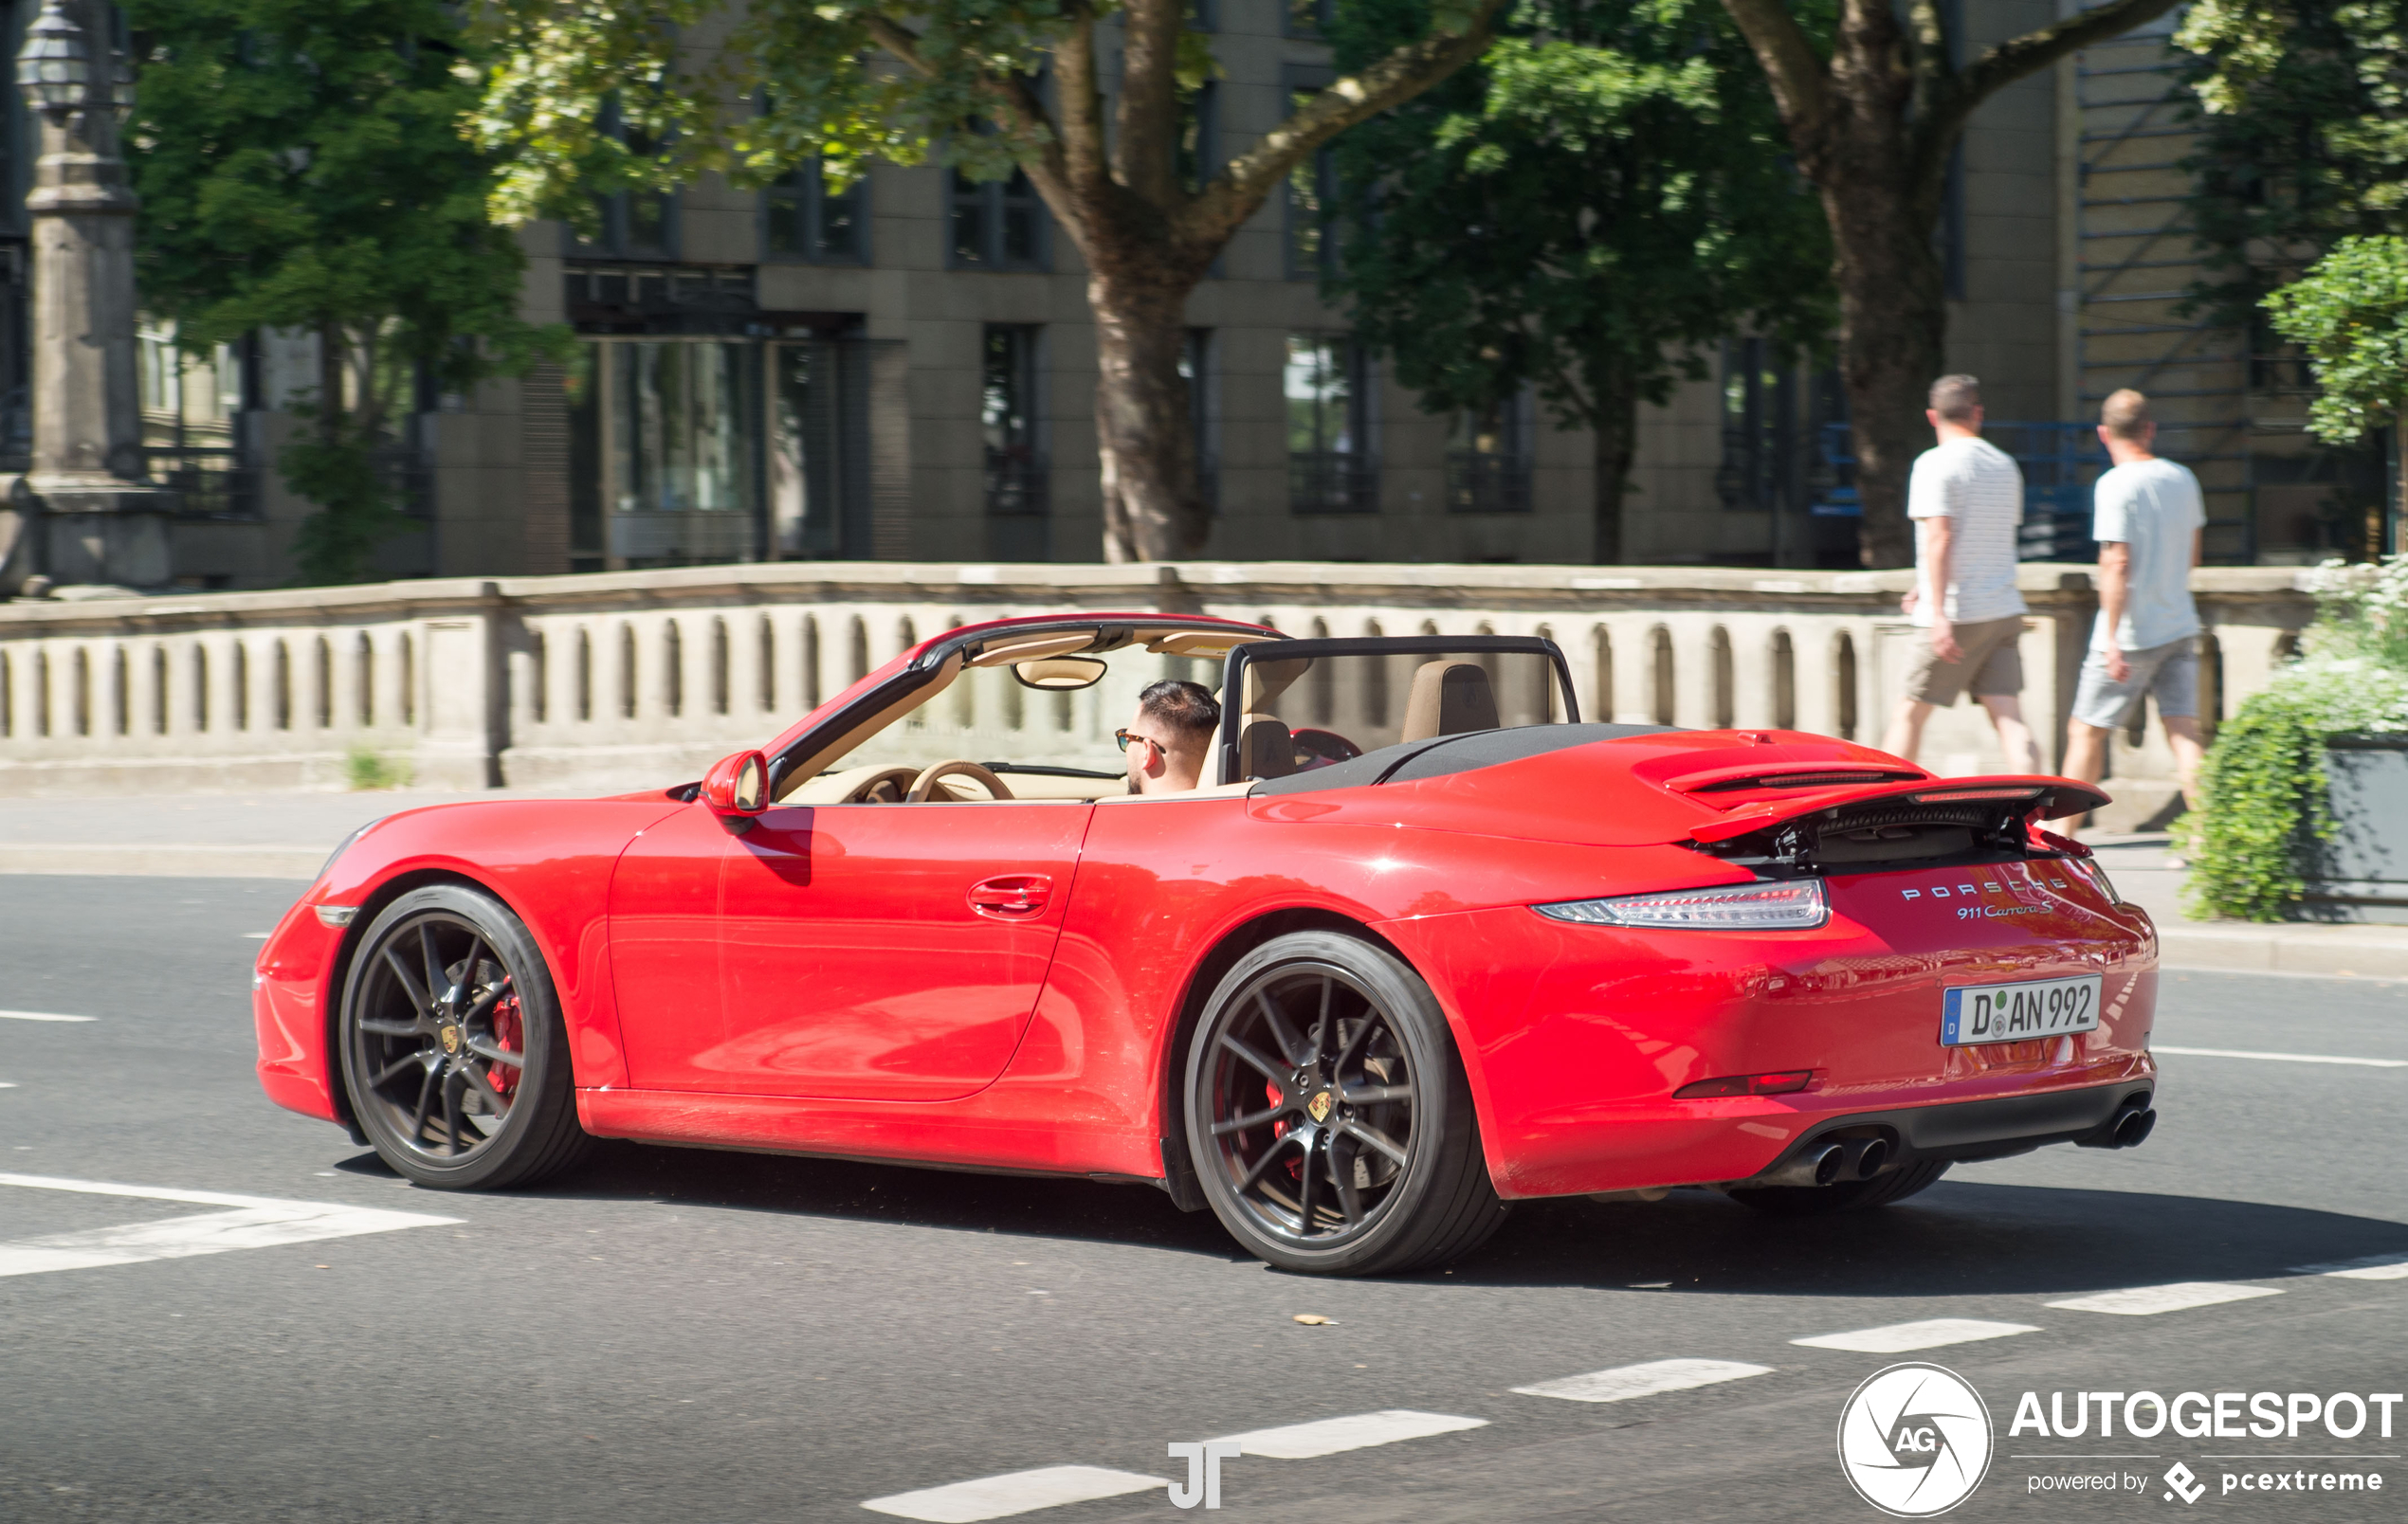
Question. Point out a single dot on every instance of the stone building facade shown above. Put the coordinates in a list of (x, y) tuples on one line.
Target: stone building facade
[(905, 371)]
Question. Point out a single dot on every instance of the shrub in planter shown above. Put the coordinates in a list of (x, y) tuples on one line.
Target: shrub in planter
[(2264, 791)]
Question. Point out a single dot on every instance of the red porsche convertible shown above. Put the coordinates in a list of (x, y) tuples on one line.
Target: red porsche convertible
[(1421, 944)]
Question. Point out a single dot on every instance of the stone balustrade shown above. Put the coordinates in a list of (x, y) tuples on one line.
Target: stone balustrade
[(640, 678)]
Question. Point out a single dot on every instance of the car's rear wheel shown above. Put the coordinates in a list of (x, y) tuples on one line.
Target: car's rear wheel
[(453, 1047), (1847, 1195), (1328, 1117)]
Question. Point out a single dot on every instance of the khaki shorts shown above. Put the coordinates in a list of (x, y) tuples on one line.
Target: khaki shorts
[(1992, 669)]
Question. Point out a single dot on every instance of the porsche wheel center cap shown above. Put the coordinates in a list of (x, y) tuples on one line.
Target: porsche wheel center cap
[(1319, 1107), (450, 1039)]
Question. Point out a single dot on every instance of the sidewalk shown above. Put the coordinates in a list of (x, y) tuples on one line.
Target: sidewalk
[(289, 835)]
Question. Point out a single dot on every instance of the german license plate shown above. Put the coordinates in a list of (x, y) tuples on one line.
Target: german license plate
[(2018, 1013)]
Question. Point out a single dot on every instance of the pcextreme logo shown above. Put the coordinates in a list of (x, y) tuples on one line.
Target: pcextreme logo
[(1915, 1440)]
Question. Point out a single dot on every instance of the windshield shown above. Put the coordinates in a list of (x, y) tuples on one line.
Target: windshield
[(1334, 701)]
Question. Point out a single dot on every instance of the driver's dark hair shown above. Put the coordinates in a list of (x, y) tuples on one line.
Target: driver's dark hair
[(1187, 708)]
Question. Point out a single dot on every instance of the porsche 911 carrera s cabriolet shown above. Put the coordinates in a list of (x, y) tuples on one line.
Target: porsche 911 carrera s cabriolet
[(1421, 943)]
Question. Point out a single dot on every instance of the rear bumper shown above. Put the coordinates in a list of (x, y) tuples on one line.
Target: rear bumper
[(1963, 1132)]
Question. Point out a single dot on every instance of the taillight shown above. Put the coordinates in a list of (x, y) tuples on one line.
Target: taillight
[(1793, 904), (1747, 1084), (2088, 868)]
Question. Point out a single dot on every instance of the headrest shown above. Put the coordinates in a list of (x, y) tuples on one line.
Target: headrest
[(1449, 698), (1265, 749)]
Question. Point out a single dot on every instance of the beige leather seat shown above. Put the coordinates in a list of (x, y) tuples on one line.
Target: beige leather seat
[(1449, 698)]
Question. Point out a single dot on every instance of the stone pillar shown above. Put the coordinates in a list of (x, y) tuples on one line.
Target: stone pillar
[(103, 521)]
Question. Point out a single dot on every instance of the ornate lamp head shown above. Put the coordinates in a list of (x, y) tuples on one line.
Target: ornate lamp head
[(54, 68)]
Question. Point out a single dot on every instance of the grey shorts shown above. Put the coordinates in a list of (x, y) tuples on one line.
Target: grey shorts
[(2170, 673)]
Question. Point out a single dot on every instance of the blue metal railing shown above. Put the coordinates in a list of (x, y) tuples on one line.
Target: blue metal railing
[(2060, 461)]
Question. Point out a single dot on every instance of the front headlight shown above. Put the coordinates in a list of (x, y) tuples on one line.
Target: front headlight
[(344, 846), (1794, 904)]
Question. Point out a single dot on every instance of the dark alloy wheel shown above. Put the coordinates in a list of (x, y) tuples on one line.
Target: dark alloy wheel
[(452, 1045), (1846, 1195), (1327, 1113)]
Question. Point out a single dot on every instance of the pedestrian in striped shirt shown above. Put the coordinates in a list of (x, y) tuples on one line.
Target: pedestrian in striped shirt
[(1966, 499)]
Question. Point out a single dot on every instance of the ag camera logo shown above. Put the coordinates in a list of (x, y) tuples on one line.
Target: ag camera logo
[(1915, 1440)]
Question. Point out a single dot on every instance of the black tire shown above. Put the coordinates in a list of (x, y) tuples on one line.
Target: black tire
[(1848, 1195), (1361, 1064), (453, 1049)]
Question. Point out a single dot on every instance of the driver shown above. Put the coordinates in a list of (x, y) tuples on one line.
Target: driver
[(1170, 737)]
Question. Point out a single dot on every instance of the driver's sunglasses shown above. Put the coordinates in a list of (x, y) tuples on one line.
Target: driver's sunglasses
[(1124, 737)]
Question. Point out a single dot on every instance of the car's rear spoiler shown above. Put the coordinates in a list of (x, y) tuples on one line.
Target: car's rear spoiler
[(2032, 797)]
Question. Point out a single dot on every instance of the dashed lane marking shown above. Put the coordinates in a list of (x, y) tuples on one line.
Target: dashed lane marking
[(2367, 1267), (1897, 1338), (1623, 1383), (1019, 1492), (2280, 1057), (41, 1016), (1358, 1432), (254, 1223), (2143, 1301)]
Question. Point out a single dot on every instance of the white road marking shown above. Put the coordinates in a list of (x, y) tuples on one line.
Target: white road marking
[(1623, 1383), (254, 1223), (1358, 1432), (1019, 1492), (2143, 1301), (2368, 1267), (2279, 1058), (41, 1016), (8, 1085), (1897, 1338)]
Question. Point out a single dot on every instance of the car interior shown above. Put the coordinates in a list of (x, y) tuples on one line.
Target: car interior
[(1030, 715)]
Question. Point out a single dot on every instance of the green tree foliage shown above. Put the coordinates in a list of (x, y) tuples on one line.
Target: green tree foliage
[(2303, 138), (1604, 192), (604, 95), (2350, 313), (302, 165)]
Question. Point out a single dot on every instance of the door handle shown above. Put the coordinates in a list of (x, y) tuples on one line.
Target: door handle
[(1011, 895)]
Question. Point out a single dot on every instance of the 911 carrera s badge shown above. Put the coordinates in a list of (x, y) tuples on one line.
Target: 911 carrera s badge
[(1318, 1108), (450, 1036)]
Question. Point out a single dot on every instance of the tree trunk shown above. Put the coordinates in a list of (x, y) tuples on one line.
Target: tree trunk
[(1144, 425), (1614, 425), (1894, 320)]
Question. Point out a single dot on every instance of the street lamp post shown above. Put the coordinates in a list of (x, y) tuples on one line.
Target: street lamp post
[(103, 521)]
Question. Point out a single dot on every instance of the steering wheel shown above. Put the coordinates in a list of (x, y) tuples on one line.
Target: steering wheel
[(925, 784), (884, 787)]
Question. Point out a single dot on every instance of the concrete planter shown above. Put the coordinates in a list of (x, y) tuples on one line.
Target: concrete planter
[(2361, 874)]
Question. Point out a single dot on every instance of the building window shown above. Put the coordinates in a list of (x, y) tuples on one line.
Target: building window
[(1198, 150), (634, 224), (674, 427), (802, 220), (818, 484), (1488, 458), (998, 225), (1759, 442), (1203, 413), (1312, 193), (1203, 15), (1310, 18), (1007, 416), (1332, 466)]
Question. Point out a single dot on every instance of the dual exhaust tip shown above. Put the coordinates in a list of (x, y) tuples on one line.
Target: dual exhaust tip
[(1831, 1163), (2129, 1130)]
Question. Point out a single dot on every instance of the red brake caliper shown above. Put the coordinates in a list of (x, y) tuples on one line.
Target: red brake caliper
[(509, 1035)]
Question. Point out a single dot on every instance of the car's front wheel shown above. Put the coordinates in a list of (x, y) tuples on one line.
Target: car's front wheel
[(1328, 1117), (453, 1047)]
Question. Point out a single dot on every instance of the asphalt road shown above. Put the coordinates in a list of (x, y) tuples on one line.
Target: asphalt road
[(716, 1338)]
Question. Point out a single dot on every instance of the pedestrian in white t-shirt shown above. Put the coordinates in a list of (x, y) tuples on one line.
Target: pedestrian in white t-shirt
[(1966, 499), (2150, 522)]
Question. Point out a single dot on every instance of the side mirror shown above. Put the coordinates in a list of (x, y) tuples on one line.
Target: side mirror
[(737, 790)]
